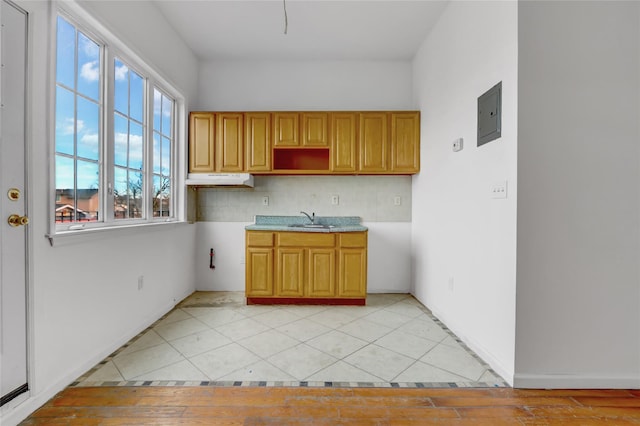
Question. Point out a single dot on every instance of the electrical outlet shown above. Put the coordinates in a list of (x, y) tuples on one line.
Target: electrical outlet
[(450, 284), (242, 260), (397, 200), (499, 190), (140, 282), (335, 200), (265, 200), (457, 145)]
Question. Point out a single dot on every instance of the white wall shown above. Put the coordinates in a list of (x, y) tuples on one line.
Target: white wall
[(84, 301), (463, 240), (306, 85), (578, 295)]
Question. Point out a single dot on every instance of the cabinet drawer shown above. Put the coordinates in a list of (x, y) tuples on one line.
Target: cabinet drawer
[(298, 239), (260, 239), (353, 239)]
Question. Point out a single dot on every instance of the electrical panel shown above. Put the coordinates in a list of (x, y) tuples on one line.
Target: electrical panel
[(489, 115)]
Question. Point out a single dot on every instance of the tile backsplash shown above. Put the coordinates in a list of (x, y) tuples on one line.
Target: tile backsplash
[(372, 198)]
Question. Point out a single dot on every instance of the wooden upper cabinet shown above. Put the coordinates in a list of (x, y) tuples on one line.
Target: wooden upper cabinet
[(369, 142), (286, 130), (405, 142), (344, 141), (201, 142), (315, 129), (257, 141), (374, 142), (229, 142)]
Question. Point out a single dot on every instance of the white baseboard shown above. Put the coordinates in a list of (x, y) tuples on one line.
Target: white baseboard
[(575, 381)]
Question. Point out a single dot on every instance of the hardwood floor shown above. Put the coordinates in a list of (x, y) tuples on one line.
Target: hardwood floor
[(336, 406)]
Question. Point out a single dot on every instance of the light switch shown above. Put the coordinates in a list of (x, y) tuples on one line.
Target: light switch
[(265, 200), (457, 145), (335, 200)]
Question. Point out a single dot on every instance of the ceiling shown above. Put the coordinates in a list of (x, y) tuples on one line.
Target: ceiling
[(317, 29)]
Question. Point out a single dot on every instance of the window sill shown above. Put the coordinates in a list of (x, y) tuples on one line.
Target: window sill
[(64, 238)]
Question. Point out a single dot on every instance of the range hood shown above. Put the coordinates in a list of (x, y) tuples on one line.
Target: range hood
[(220, 179)]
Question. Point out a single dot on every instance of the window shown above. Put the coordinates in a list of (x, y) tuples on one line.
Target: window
[(77, 140), (115, 144)]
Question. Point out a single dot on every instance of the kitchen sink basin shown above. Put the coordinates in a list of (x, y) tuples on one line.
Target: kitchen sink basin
[(310, 225)]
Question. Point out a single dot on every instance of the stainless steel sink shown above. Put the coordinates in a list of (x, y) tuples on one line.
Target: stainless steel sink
[(310, 225)]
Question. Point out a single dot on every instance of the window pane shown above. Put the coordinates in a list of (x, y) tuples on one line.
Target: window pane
[(162, 194), (156, 153), (87, 129), (88, 176), (135, 146), (136, 101), (167, 115), (121, 140), (88, 67), (65, 122), (157, 109), (121, 90), (166, 157), (65, 53), (120, 193), (87, 192), (64, 173), (136, 191)]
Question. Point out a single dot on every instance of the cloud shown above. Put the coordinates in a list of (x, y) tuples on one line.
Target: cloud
[(67, 127), (89, 138), (121, 72), (135, 146), (90, 71)]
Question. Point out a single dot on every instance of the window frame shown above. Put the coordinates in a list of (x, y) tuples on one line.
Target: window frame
[(111, 49)]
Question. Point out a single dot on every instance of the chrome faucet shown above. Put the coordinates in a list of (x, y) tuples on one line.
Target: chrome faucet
[(312, 218)]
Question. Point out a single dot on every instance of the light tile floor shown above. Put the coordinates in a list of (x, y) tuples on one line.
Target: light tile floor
[(213, 338)]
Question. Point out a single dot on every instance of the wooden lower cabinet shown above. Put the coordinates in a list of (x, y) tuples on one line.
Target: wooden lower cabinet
[(322, 272), (353, 272), (259, 280), (307, 268), (290, 272)]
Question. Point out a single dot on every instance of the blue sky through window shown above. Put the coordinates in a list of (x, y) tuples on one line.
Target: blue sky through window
[(81, 136)]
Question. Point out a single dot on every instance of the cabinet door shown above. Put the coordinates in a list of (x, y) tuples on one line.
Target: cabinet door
[(229, 142), (343, 142), (259, 274), (201, 142), (322, 272), (374, 146), (352, 272), (285, 129), (290, 272), (405, 142), (315, 129), (258, 142)]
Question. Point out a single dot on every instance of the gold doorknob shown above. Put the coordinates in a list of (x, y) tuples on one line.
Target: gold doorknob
[(17, 220)]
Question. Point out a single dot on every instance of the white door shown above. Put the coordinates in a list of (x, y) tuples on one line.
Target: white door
[(13, 207)]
